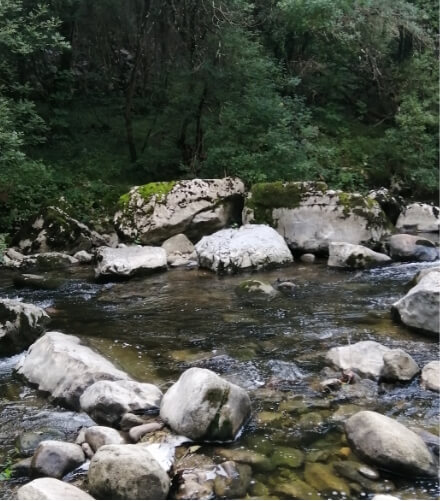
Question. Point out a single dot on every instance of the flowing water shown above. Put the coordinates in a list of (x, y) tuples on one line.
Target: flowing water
[(156, 327)]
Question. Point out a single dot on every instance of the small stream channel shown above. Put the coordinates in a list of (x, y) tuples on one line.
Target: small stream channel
[(156, 327)]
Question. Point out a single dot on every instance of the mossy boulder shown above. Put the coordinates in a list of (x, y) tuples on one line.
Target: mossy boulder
[(255, 288), (310, 216), (155, 212), (344, 255)]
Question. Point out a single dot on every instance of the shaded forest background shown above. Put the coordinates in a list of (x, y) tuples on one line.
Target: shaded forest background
[(98, 95)]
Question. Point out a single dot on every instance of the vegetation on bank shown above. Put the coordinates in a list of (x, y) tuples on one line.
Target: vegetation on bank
[(98, 96)]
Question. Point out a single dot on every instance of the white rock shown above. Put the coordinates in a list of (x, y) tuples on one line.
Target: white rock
[(83, 257), (307, 258), (388, 444), (59, 364), (365, 358), (431, 376), (54, 459), (255, 287), (20, 325), (180, 250), (51, 488), (107, 401), (203, 406), (251, 247), (195, 207), (420, 217), (345, 255), (97, 436), (129, 261), (399, 366), (127, 472), (405, 247), (420, 307)]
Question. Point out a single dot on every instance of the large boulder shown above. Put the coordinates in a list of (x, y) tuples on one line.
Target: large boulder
[(365, 358), (107, 401), (20, 325), (156, 211), (180, 250), (391, 204), (310, 217), (203, 406), (59, 364), (251, 247), (405, 247), (54, 230), (419, 217), (388, 444), (51, 488), (431, 376), (125, 262), (344, 255), (419, 309), (127, 472), (55, 459)]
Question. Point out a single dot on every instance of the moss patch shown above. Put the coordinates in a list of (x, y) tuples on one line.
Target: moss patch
[(146, 191), (279, 194)]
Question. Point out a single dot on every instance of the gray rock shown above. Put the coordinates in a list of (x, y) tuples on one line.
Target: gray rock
[(232, 480), (51, 260), (36, 281), (388, 444), (129, 420), (255, 287), (405, 247), (431, 440), (20, 325), (55, 459), (51, 488), (399, 366), (97, 436), (431, 376), (59, 364), (351, 471), (83, 257), (107, 401), (307, 258), (22, 468), (419, 217), (322, 477), (28, 441), (127, 472), (196, 207), (344, 255), (203, 406), (251, 247), (365, 358), (129, 261), (390, 204), (180, 250), (137, 432), (88, 451), (419, 308)]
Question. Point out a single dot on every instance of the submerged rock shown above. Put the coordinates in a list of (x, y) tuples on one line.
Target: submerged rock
[(59, 364), (419, 217), (125, 262), (28, 441), (107, 401), (310, 217), (420, 307), (55, 459), (180, 250), (255, 287), (344, 255), (36, 281), (51, 488), (157, 211), (20, 325), (405, 247), (127, 472), (324, 480), (388, 444), (203, 406), (431, 376), (251, 247)]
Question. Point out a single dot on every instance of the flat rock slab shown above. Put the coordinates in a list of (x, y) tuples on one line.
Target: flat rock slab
[(51, 488)]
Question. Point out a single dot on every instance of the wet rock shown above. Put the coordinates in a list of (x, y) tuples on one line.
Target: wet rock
[(36, 281), (351, 471), (250, 247), (83, 257), (365, 358), (20, 325), (21, 468), (180, 250), (51, 488), (195, 476), (287, 456), (203, 406), (419, 308), (258, 461), (344, 255), (232, 480), (52, 260), (129, 420), (310, 217), (405, 247), (98, 436), (323, 479), (196, 207), (399, 366), (307, 258), (28, 441), (295, 488), (129, 261), (431, 440), (59, 364), (368, 472), (107, 401), (285, 286), (388, 444), (344, 411), (255, 287), (331, 384), (55, 459), (137, 432), (127, 472), (419, 217), (54, 230), (422, 273), (431, 376)]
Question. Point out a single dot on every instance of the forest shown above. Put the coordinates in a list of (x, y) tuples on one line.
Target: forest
[(100, 95)]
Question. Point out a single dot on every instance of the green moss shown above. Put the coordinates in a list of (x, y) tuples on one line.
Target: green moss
[(279, 194), (123, 200), (146, 191), (214, 396)]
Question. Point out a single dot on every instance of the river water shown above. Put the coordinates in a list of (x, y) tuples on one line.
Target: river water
[(156, 327)]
